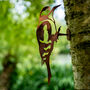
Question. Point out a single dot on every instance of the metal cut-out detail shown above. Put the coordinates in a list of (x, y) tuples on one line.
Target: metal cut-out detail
[(45, 52)]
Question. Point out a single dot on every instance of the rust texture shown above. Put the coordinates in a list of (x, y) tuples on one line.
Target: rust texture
[(45, 52)]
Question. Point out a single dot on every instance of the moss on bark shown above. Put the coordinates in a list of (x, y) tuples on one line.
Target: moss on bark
[(78, 21)]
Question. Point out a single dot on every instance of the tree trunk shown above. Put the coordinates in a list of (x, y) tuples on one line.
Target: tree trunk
[(78, 21), (9, 67)]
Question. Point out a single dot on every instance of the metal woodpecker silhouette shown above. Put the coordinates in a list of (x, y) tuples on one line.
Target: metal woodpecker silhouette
[(45, 49)]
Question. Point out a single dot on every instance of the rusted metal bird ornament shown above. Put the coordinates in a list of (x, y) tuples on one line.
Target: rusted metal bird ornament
[(45, 49)]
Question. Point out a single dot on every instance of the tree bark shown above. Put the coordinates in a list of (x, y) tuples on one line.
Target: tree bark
[(78, 21)]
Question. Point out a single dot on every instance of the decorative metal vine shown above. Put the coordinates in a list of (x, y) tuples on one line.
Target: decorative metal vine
[(45, 49)]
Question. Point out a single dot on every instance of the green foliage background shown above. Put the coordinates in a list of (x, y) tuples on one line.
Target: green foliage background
[(18, 41)]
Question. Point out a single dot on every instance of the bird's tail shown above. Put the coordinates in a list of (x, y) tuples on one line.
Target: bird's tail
[(49, 71)]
